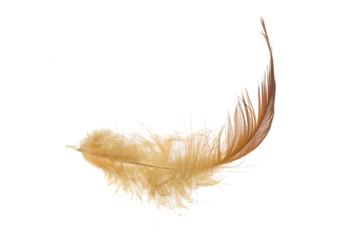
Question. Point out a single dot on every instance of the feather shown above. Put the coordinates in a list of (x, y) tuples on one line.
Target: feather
[(166, 170)]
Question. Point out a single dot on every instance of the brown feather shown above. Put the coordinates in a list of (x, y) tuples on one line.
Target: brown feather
[(166, 170)]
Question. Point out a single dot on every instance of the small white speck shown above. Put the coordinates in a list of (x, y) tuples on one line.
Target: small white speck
[(251, 27), (331, 195), (259, 163), (99, 179), (27, 107), (11, 115), (36, 160), (299, 83), (204, 92), (244, 83), (187, 75)]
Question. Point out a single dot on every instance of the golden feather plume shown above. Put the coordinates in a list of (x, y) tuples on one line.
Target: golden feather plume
[(166, 170)]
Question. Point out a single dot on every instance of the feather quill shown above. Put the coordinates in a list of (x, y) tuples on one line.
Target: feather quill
[(167, 169)]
